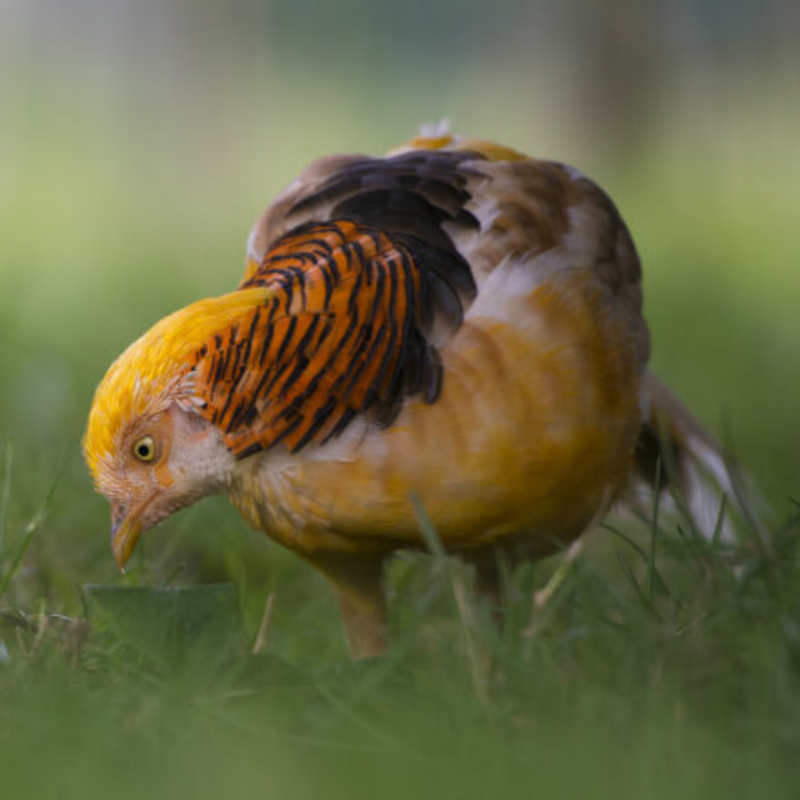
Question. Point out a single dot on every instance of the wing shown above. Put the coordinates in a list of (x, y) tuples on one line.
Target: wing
[(366, 282), (367, 260), (343, 332), (414, 193)]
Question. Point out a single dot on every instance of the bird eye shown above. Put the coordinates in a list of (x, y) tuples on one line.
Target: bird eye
[(145, 449)]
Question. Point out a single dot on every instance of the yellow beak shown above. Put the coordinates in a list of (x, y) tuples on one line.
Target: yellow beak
[(125, 532)]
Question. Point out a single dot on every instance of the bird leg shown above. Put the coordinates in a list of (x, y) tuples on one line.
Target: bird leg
[(357, 580)]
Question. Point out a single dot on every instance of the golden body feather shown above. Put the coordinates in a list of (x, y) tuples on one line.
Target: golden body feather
[(533, 434), (456, 325)]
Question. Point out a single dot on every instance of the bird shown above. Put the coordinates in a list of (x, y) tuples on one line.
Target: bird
[(451, 331)]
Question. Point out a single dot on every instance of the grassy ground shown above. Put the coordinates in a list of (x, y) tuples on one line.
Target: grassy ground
[(661, 666), (678, 679)]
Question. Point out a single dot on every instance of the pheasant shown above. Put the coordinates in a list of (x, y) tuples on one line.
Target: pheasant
[(454, 327)]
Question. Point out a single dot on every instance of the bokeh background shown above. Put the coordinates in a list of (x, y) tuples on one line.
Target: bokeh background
[(138, 141), (140, 138)]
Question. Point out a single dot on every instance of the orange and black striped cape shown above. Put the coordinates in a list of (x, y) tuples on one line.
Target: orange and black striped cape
[(355, 302)]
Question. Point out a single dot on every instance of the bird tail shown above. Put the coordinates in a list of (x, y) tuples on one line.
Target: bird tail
[(678, 457)]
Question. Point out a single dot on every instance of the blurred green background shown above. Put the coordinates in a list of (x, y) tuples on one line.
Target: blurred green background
[(140, 138)]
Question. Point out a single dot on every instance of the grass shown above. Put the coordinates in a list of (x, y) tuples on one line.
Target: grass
[(609, 688), (650, 663)]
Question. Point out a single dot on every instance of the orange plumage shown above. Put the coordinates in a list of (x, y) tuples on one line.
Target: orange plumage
[(454, 325)]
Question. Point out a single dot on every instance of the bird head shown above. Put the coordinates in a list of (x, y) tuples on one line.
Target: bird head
[(148, 447)]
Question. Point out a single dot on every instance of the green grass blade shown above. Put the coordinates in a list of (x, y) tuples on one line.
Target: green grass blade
[(631, 577), (5, 580), (635, 584), (4, 500), (30, 531), (718, 525), (651, 565), (429, 535), (660, 583), (463, 607)]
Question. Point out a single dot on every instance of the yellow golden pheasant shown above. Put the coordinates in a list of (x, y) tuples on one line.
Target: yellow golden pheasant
[(455, 327)]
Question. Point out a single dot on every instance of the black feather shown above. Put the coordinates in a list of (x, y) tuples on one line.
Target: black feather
[(416, 199)]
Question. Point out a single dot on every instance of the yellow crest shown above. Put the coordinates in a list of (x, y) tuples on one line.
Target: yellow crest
[(146, 377)]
